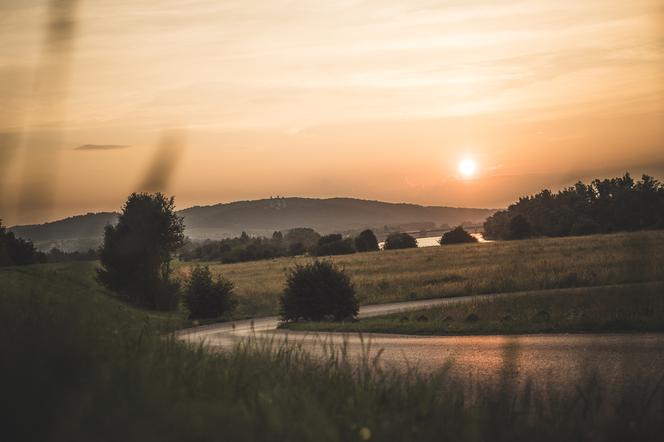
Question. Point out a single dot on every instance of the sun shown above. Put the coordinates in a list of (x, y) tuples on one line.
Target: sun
[(467, 168)]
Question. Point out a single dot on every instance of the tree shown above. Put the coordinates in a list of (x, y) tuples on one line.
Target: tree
[(17, 251), (603, 206), (206, 297), (317, 291), (519, 228), (334, 244), (136, 253), (399, 240), (457, 236), (301, 239), (366, 241)]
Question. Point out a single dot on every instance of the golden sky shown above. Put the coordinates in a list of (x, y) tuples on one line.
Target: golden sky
[(370, 99)]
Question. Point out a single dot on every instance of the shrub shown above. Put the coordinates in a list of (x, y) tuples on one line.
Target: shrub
[(334, 244), (136, 254), (316, 291), (457, 236), (400, 241), (206, 297), (366, 241)]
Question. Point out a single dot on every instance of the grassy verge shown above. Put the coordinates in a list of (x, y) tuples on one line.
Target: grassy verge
[(631, 307), (498, 267), (75, 281), (78, 366)]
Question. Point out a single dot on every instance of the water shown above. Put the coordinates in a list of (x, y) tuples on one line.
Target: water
[(433, 241)]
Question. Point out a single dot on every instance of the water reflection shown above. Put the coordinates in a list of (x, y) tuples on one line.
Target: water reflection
[(434, 241)]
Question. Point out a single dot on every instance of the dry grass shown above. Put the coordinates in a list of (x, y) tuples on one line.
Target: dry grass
[(629, 307), (497, 267)]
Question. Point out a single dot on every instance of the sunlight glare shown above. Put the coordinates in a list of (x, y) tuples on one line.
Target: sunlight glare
[(467, 168)]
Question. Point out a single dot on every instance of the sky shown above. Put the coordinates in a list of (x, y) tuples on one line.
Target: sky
[(383, 100)]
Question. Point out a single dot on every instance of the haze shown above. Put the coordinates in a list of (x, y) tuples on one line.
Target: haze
[(369, 99)]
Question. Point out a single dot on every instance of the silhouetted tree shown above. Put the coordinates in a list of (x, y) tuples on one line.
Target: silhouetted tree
[(334, 244), (519, 228), (366, 241), (399, 240), (303, 235), (603, 206), (136, 253), (457, 236), (206, 297), (17, 251), (317, 291)]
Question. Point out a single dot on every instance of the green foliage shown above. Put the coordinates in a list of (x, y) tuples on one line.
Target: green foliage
[(80, 366), (136, 254), (399, 240), (334, 244), (245, 248), (366, 241), (17, 251), (603, 206), (458, 235), (317, 291), (206, 297), (619, 308)]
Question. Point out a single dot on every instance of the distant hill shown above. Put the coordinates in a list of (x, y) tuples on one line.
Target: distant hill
[(80, 232), (261, 217)]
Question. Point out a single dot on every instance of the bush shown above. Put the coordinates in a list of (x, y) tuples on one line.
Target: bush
[(457, 236), (334, 244), (366, 242), (136, 254), (317, 291), (206, 297), (399, 241)]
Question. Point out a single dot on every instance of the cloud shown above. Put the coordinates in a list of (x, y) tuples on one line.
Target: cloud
[(102, 147)]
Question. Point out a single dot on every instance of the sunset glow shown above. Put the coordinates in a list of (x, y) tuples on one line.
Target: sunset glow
[(350, 98), (467, 168)]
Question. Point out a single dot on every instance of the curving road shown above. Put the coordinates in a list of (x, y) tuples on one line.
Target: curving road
[(556, 358)]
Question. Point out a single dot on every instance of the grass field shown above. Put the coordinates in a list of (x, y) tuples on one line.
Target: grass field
[(498, 267), (629, 307), (77, 365)]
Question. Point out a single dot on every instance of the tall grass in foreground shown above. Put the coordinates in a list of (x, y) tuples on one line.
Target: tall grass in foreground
[(71, 372)]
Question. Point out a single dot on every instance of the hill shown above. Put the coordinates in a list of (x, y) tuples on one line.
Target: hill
[(262, 217)]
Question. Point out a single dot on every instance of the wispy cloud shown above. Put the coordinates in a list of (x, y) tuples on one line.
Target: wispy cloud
[(102, 147)]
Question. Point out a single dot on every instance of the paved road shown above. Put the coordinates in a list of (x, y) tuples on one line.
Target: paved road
[(558, 359)]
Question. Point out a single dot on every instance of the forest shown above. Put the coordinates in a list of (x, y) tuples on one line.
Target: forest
[(603, 206)]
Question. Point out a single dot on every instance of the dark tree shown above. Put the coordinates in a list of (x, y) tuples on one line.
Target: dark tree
[(206, 297), (603, 206), (366, 241), (399, 241), (457, 236), (136, 254), (317, 291), (334, 244), (17, 251), (306, 237), (519, 228)]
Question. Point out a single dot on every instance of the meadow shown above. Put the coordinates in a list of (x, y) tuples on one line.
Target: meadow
[(435, 272), (619, 308), (80, 365)]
